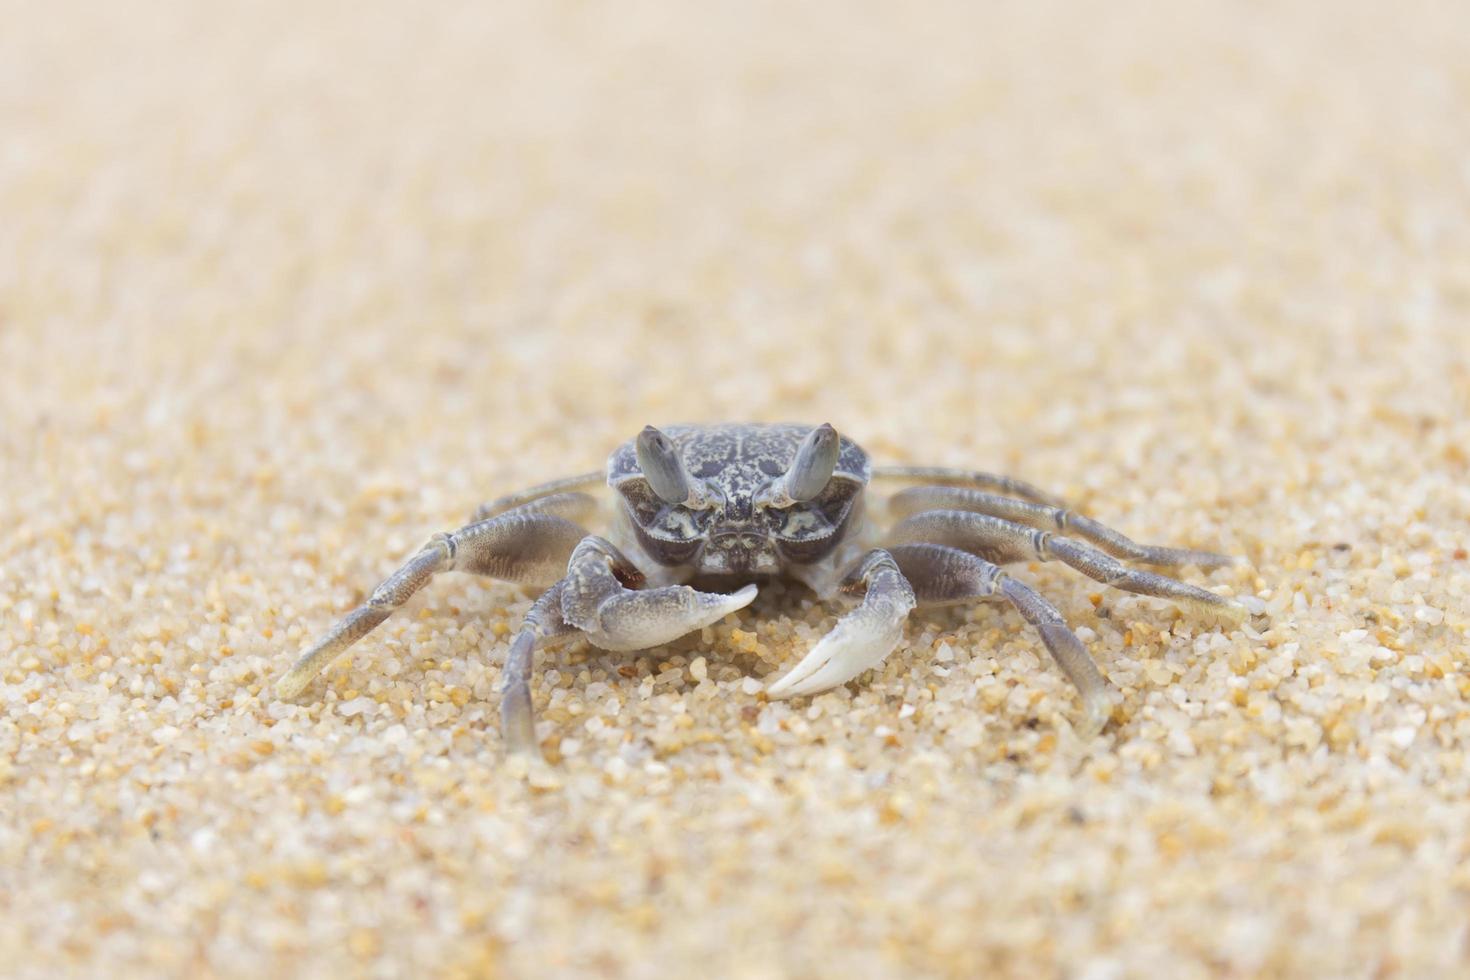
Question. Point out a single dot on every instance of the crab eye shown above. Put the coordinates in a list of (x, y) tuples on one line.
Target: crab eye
[(809, 473), (659, 460)]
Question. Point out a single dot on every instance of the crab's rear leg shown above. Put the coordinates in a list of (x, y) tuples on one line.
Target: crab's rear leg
[(974, 479), (553, 496), (1002, 541), (948, 576), (525, 546), (862, 638), (917, 500)]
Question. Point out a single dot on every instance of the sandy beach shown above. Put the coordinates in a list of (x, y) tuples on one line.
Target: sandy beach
[(287, 288)]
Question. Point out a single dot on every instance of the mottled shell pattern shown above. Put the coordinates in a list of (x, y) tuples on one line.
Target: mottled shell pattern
[(737, 535)]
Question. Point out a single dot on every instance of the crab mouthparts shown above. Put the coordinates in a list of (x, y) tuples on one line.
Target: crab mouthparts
[(739, 552)]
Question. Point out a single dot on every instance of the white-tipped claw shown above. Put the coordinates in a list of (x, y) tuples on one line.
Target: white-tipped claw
[(860, 640), (632, 620)]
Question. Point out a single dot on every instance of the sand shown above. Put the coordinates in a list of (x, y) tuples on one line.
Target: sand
[(285, 288)]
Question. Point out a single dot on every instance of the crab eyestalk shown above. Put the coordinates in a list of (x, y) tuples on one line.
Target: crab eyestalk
[(659, 460), (809, 473)]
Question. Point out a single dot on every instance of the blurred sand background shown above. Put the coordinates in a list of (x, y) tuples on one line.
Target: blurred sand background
[(284, 288)]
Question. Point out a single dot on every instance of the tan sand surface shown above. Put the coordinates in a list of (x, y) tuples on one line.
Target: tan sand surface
[(285, 288)]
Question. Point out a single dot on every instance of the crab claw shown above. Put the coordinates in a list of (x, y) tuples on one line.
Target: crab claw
[(630, 620), (595, 598), (861, 639)]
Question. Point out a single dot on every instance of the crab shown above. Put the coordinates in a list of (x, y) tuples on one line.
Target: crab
[(705, 513)]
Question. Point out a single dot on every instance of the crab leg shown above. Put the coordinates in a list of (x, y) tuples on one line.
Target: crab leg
[(543, 492), (916, 500), (600, 597), (946, 576), (517, 718), (1002, 542), (862, 638), (519, 546), (948, 476), (593, 598)]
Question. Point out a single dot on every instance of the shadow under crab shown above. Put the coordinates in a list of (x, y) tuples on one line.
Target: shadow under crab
[(703, 514)]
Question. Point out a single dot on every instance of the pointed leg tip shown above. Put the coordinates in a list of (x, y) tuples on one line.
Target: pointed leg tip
[(1162, 557), (288, 688), (1234, 612), (520, 753), (542, 777), (1088, 728), (1255, 608), (1216, 608), (1096, 714), (531, 768), (1234, 562)]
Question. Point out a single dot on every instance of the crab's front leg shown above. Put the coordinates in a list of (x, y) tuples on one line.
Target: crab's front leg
[(599, 598), (862, 638), (524, 545), (517, 717)]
